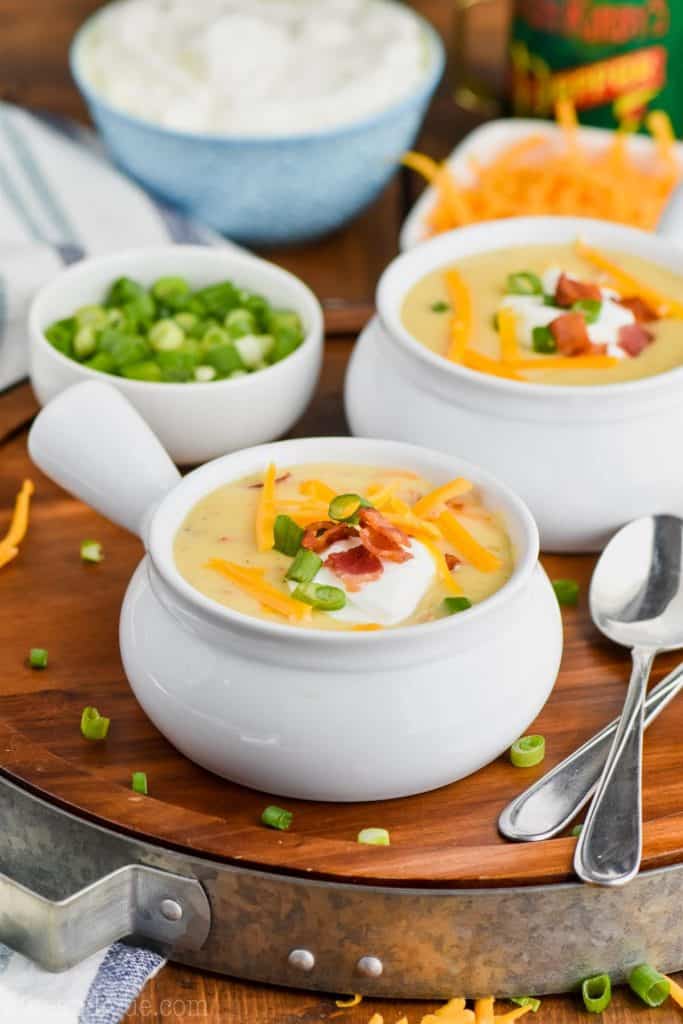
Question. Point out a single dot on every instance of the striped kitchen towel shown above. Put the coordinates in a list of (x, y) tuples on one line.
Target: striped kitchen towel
[(98, 991), (61, 200)]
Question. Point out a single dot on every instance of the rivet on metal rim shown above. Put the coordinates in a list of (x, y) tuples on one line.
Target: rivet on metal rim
[(171, 910), (301, 960), (370, 966)]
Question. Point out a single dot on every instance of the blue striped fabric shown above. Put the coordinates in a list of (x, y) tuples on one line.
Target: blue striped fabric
[(122, 975)]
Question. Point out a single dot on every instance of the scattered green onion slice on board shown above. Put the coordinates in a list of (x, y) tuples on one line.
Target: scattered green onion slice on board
[(287, 535), (589, 309), (37, 657), (439, 306), (139, 783), (374, 837), (94, 726), (651, 986), (91, 551), (453, 605), (530, 1001), (597, 993), (325, 599), (527, 751), (304, 567), (345, 506), (566, 591), (524, 283), (277, 817), (542, 341)]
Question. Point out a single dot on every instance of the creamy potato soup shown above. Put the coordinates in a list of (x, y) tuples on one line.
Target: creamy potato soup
[(335, 546), (553, 314)]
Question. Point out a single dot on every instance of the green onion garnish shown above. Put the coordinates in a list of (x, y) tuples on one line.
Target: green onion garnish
[(345, 506), (139, 783), (94, 726), (325, 599), (566, 591), (527, 751), (577, 830), (589, 309), (91, 551), (527, 1001), (652, 987), (549, 300), (542, 341), (37, 657), (374, 837), (597, 993), (524, 283), (304, 567), (439, 307), (456, 604), (276, 817), (287, 535)]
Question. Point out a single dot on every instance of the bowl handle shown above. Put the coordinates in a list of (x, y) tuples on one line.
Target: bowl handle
[(91, 441), (670, 224)]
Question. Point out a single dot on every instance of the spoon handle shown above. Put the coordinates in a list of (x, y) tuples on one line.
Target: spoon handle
[(609, 848), (548, 806)]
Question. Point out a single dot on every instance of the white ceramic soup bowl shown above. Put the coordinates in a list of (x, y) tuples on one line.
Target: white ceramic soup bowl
[(296, 711), (585, 459), (194, 421)]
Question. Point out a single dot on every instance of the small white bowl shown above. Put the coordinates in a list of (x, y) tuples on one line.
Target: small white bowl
[(586, 459), (296, 711), (194, 421)]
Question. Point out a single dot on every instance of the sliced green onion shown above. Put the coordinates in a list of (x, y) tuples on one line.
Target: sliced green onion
[(566, 591), (139, 783), (287, 535), (652, 987), (94, 726), (37, 657), (203, 374), (85, 341), (374, 837), (589, 309), (524, 283), (577, 830), (439, 306), (304, 567), (542, 340), (597, 993), (549, 300), (531, 1001), (452, 605), (325, 599), (166, 335), (345, 506), (276, 817), (527, 751), (91, 551)]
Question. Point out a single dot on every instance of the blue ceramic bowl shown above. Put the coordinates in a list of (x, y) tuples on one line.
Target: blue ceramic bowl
[(266, 189)]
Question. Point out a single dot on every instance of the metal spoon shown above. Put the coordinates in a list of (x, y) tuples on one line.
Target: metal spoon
[(636, 599), (546, 808)]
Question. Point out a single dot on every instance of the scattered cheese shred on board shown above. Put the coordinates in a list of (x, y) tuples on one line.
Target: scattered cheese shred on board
[(455, 1012), (539, 174), (676, 992), (9, 545), (346, 1003)]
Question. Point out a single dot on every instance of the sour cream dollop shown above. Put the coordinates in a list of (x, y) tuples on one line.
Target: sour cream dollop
[(530, 311), (253, 67), (388, 600)]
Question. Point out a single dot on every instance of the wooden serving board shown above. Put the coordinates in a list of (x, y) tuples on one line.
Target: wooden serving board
[(445, 838)]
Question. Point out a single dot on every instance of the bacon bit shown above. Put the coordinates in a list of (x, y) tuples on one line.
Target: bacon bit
[(355, 566), (278, 480), (642, 310), (568, 291), (571, 334), (321, 535), (383, 538), (452, 561), (633, 338)]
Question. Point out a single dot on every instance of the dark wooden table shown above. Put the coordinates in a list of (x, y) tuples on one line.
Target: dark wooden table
[(343, 270)]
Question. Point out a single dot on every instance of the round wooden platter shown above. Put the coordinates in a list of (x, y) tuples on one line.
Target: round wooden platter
[(49, 598)]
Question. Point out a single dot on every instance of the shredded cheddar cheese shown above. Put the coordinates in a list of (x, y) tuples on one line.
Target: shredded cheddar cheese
[(470, 549), (9, 545), (507, 329), (366, 627), (452, 1007), (442, 569), (629, 285), (318, 490), (483, 1010), (495, 367), (346, 1003), (431, 504), (251, 581), (265, 512), (462, 321), (455, 1012), (596, 362), (676, 992)]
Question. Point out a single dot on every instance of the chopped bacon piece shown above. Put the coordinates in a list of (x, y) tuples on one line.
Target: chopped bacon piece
[(278, 480), (568, 291), (355, 566), (452, 561), (633, 338), (383, 538), (571, 334), (642, 311), (319, 536)]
